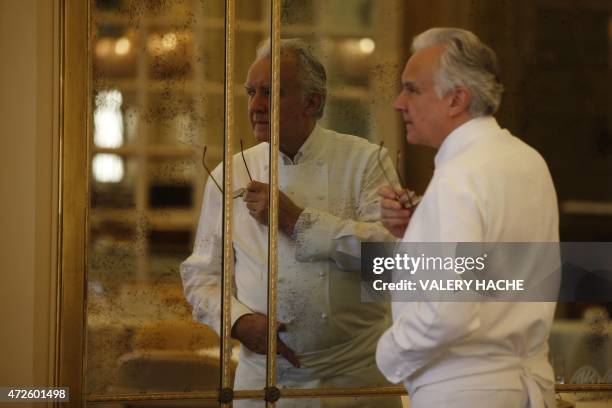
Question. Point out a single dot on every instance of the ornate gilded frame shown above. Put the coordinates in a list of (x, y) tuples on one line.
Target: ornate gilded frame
[(74, 122)]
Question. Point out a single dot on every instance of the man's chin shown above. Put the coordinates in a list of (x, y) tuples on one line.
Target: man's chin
[(262, 137), (410, 138)]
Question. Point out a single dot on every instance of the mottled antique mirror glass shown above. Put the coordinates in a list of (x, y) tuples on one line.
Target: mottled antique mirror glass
[(157, 100), (157, 103)]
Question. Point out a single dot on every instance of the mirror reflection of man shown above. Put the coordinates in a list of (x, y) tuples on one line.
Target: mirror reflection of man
[(488, 186), (328, 205)]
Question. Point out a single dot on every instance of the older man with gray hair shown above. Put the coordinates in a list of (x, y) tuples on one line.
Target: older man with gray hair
[(328, 205), (488, 186)]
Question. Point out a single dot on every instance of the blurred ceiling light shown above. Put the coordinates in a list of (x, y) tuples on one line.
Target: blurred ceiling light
[(367, 45), (108, 120), (107, 168), (104, 46), (169, 41), (161, 44), (122, 46)]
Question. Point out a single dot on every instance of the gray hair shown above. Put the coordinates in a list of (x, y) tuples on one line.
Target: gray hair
[(310, 70), (468, 62)]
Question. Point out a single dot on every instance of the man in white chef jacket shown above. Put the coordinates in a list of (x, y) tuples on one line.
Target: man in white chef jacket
[(328, 205), (488, 186)]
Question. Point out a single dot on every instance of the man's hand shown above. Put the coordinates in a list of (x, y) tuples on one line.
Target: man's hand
[(252, 331), (394, 216), (256, 199)]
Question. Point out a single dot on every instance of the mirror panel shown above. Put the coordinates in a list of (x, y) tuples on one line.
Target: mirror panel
[(157, 100)]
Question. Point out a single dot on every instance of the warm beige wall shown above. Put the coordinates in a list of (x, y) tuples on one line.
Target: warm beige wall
[(27, 144)]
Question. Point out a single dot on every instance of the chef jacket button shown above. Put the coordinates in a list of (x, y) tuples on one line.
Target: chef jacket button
[(321, 274), (324, 316)]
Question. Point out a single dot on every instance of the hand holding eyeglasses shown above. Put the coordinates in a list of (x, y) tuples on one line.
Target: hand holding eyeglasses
[(397, 205), (395, 214), (256, 198), (236, 193), (407, 198)]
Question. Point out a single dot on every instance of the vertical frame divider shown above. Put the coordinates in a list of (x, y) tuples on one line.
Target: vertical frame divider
[(74, 150), (273, 207), (228, 254)]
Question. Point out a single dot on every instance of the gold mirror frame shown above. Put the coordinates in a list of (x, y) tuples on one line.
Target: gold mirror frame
[(75, 128)]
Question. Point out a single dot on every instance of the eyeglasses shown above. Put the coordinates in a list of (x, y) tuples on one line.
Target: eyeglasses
[(241, 191), (408, 199)]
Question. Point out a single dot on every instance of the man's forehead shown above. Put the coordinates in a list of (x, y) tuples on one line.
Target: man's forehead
[(258, 74), (408, 76), (422, 64), (257, 84)]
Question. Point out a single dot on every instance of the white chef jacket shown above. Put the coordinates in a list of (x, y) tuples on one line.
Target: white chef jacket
[(335, 178), (488, 186)]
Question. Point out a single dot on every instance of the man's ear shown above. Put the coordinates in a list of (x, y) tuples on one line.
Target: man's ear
[(313, 103), (459, 101)]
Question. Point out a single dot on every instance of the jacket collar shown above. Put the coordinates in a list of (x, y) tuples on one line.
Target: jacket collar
[(312, 147), (465, 135)]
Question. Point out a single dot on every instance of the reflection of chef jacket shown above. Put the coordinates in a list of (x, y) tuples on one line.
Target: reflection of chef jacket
[(335, 178), (488, 186)]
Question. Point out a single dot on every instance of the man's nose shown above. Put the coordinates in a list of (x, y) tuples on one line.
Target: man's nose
[(399, 104), (258, 103)]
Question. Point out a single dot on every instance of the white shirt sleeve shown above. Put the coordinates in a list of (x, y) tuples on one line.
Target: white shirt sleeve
[(423, 330), (421, 333), (322, 235), (201, 272)]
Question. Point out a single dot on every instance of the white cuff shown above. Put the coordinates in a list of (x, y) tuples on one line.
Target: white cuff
[(388, 358)]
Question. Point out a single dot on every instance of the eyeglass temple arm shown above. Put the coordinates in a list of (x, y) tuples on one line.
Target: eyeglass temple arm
[(244, 161), (208, 171), (408, 198)]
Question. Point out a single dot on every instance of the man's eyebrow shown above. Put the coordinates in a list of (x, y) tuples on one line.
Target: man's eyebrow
[(410, 85), (253, 87)]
